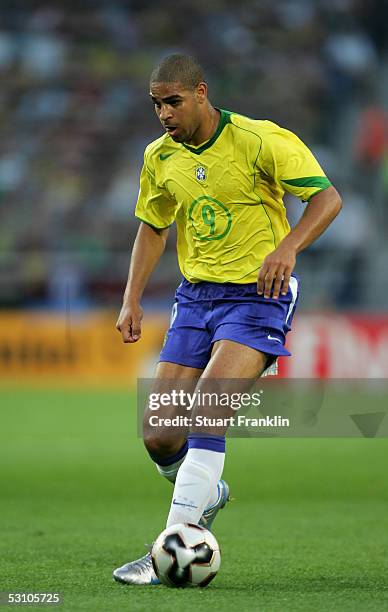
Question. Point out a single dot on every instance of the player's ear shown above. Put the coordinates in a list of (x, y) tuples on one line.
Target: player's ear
[(201, 92)]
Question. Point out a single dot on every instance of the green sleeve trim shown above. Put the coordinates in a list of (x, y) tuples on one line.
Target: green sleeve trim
[(309, 181), (155, 227), (315, 193)]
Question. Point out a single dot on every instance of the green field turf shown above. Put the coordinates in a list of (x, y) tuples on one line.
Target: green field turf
[(308, 529)]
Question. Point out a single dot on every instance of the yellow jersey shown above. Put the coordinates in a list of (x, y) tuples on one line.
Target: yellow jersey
[(226, 195)]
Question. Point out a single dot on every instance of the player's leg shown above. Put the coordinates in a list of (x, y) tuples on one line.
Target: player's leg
[(184, 355), (248, 332), (166, 445), (202, 468)]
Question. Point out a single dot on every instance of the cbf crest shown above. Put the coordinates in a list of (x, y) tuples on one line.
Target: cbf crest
[(201, 174)]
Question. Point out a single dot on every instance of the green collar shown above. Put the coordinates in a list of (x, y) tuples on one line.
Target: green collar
[(224, 119)]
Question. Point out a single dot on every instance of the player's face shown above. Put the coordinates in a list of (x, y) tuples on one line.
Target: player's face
[(178, 109)]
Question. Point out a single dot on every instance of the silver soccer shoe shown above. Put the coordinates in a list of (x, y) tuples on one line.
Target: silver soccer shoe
[(138, 572), (210, 513)]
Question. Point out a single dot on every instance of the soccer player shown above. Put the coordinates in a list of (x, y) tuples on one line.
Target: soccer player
[(220, 177)]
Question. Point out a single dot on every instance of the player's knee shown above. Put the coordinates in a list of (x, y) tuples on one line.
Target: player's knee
[(162, 446)]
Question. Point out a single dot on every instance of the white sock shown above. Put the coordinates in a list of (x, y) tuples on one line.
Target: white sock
[(196, 485), (171, 464), (170, 471)]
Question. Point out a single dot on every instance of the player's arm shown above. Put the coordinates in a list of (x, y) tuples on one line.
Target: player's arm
[(277, 267), (292, 166), (156, 210), (147, 250)]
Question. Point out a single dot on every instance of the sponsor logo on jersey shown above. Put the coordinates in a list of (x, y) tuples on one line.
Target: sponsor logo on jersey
[(163, 156)]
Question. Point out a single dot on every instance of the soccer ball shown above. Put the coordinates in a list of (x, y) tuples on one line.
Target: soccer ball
[(186, 555)]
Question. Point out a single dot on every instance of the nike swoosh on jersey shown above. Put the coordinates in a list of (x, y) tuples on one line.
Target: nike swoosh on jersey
[(272, 338), (164, 156)]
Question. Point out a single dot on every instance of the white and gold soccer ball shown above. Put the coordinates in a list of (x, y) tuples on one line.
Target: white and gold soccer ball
[(186, 555)]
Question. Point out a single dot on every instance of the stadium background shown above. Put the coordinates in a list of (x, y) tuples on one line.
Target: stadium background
[(75, 118)]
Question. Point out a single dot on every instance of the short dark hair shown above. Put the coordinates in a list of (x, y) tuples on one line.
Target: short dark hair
[(180, 68)]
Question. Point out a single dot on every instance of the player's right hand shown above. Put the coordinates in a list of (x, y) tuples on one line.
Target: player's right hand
[(129, 322)]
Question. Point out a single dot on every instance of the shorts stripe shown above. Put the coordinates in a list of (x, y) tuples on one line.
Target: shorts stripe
[(293, 284)]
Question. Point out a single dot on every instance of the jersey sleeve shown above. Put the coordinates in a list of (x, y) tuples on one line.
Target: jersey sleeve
[(290, 163), (154, 206)]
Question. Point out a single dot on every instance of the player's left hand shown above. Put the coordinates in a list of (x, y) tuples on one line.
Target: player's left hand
[(275, 273)]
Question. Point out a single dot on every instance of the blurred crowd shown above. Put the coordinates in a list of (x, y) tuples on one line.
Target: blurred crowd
[(75, 117)]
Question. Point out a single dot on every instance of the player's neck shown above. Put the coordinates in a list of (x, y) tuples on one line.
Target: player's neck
[(207, 128)]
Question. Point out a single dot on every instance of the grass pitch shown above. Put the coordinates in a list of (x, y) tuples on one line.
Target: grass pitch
[(308, 529)]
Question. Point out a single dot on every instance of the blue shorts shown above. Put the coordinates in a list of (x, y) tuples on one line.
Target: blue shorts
[(206, 312)]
